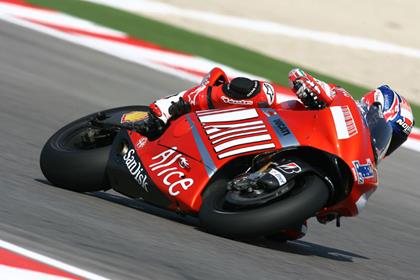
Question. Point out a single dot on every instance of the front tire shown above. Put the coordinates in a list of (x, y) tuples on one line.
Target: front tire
[(68, 165), (302, 203)]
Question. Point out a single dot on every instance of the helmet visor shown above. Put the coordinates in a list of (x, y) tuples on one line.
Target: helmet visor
[(380, 130)]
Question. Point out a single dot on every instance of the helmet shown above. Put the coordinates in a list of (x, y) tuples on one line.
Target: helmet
[(386, 104)]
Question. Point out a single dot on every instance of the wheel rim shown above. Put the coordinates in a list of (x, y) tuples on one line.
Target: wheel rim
[(76, 139), (87, 135), (230, 202)]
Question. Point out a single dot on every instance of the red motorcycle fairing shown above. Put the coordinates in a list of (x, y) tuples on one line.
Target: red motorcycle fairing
[(182, 161), (126, 172)]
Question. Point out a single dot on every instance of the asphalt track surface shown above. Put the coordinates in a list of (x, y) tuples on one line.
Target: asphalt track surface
[(45, 83)]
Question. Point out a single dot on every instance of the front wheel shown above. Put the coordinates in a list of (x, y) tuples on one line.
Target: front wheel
[(76, 156), (218, 216)]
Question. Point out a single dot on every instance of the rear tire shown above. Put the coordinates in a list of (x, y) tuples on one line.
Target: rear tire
[(70, 167), (302, 203)]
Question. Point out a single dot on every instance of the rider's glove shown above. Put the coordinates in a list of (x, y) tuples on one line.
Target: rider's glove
[(313, 93), (152, 127), (309, 94), (179, 108), (155, 124), (170, 108)]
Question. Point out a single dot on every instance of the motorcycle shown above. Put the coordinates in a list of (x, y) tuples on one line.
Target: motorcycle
[(245, 172)]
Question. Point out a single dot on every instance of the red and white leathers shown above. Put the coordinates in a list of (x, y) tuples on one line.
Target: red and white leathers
[(211, 94)]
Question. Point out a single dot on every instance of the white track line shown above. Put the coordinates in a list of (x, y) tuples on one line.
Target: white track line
[(262, 26), (93, 43), (411, 143), (49, 261), (57, 18), (13, 273)]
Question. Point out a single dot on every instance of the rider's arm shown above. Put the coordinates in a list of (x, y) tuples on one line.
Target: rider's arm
[(194, 99), (214, 93), (173, 106), (210, 94)]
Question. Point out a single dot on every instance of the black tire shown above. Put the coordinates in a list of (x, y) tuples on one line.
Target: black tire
[(70, 167), (302, 203)]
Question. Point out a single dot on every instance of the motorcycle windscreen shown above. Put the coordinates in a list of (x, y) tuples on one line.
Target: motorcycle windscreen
[(380, 130)]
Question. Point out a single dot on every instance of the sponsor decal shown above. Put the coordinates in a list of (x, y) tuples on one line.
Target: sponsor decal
[(284, 130), (134, 116), (235, 132), (290, 168), (141, 142), (405, 126), (269, 92), (228, 115), (183, 163), (254, 88), (136, 169), (344, 122), (165, 166), (363, 171), (192, 96), (279, 176), (236, 101), (406, 122)]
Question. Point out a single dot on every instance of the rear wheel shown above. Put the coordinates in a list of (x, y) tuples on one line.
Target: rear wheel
[(218, 216), (75, 157)]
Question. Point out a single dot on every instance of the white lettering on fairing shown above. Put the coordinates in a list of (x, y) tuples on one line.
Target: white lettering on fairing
[(135, 169), (166, 166)]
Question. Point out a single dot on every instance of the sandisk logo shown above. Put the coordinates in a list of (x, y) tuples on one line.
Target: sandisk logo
[(236, 102)]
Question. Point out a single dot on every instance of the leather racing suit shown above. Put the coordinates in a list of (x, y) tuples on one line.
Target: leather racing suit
[(215, 91)]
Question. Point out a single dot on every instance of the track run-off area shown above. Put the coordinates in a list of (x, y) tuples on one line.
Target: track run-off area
[(46, 82)]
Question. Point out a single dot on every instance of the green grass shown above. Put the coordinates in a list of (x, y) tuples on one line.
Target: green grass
[(178, 39)]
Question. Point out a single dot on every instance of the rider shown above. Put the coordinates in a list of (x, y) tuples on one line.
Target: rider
[(216, 91)]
